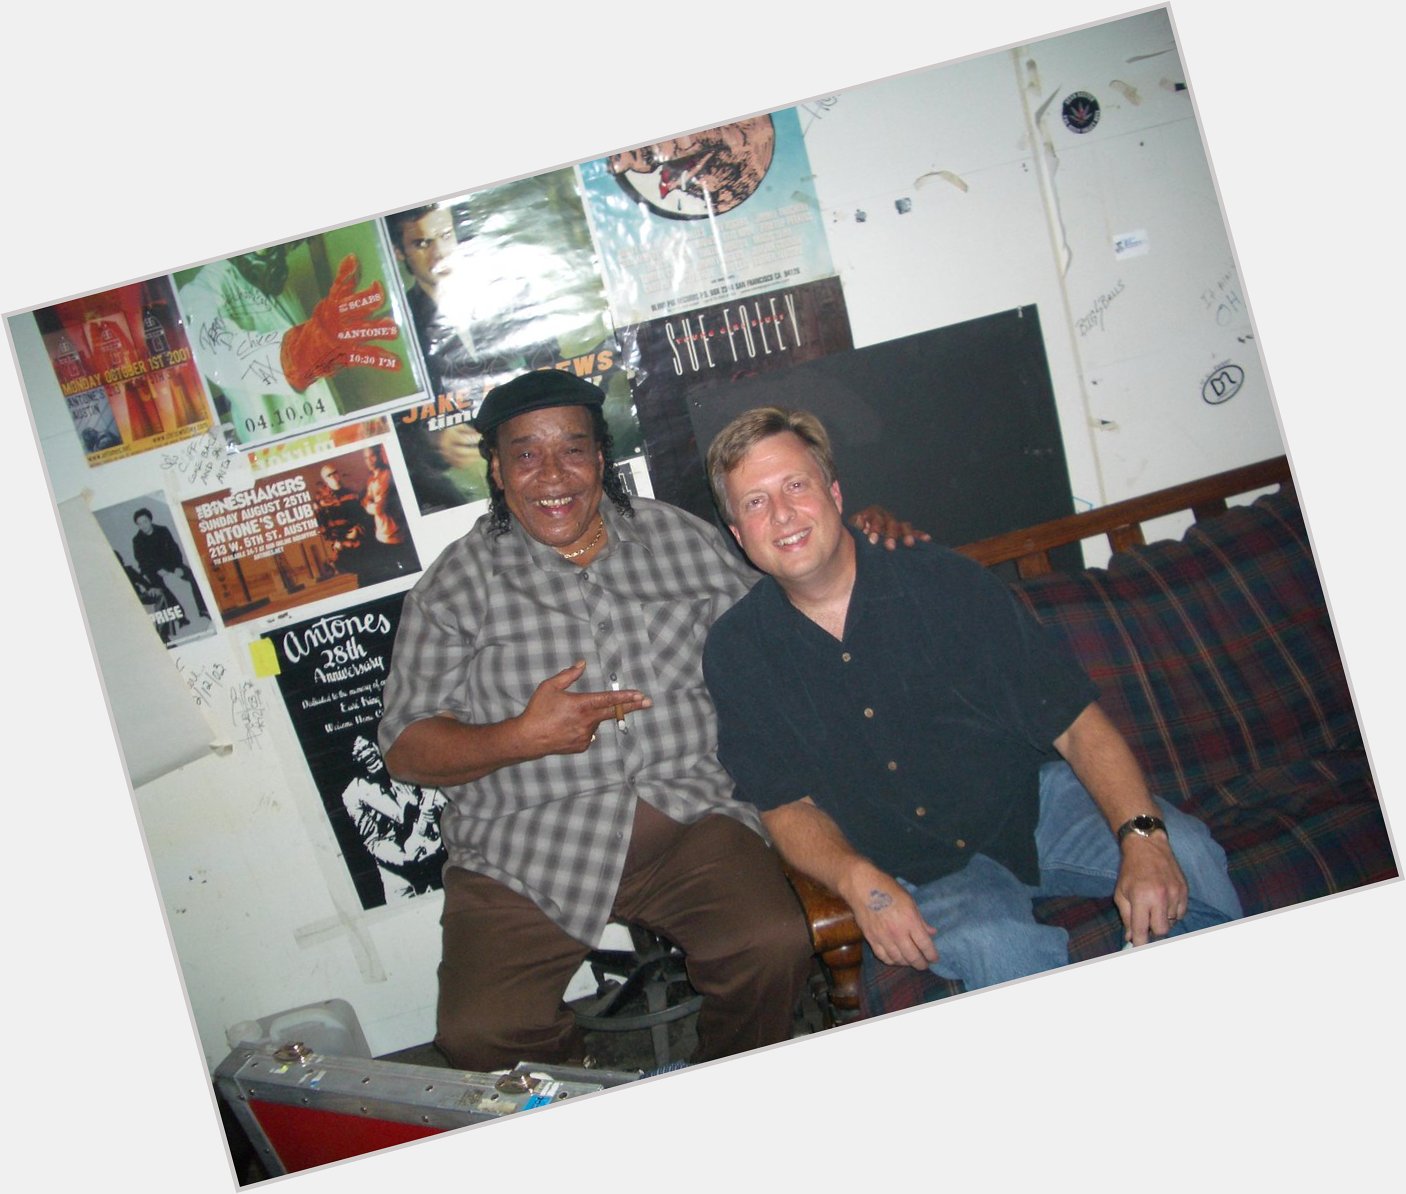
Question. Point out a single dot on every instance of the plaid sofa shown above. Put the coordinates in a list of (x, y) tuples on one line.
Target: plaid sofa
[(1215, 657)]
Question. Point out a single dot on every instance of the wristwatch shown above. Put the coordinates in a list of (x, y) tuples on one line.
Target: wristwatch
[(1143, 826)]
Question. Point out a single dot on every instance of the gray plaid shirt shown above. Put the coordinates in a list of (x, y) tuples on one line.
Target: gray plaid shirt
[(492, 618)]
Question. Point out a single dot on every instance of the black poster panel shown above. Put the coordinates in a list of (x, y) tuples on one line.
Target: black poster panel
[(331, 671)]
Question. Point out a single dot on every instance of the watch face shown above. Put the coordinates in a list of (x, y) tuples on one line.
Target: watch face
[(1143, 825)]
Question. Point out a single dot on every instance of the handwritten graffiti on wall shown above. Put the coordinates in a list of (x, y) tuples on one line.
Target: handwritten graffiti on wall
[(1223, 383)]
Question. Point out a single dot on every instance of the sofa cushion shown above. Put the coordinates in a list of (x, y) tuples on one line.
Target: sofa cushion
[(1300, 830), (1213, 654)]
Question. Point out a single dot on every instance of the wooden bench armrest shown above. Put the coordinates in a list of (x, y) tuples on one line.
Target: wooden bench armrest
[(835, 935)]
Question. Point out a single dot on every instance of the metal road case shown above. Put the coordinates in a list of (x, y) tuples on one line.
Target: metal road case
[(300, 1109)]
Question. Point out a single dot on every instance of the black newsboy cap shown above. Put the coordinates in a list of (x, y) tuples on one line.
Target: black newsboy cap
[(534, 391)]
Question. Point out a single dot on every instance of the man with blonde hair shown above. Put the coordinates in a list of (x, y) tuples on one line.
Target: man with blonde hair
[(916, 741)]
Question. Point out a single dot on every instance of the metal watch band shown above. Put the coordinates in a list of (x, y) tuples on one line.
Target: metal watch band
[(1143, 826)]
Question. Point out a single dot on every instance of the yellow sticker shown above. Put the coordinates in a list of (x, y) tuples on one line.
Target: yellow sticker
[(264, 656)]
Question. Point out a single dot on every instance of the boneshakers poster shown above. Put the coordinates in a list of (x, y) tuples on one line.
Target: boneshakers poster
[(321, 530)]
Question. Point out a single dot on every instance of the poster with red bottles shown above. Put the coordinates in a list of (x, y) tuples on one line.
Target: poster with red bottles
[(124, 367)]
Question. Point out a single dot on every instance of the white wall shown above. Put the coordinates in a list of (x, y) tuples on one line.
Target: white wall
[(1008, 208)]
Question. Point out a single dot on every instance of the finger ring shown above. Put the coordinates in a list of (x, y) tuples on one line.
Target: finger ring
[(593, 737)]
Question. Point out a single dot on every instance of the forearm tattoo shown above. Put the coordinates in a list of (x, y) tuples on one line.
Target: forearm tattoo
[(879, 900)]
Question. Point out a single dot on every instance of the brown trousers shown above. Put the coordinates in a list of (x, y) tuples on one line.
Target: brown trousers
[(714, 888)]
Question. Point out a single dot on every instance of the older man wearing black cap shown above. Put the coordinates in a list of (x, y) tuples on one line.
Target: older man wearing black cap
[(547, 675)]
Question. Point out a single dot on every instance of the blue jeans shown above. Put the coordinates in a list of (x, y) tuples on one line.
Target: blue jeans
[(986, 928)]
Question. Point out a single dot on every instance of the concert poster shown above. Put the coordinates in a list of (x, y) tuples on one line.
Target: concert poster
[(125, 370), (674, 358), (707, 217), (299, 335), (330, 673), (144, 538), (312, 532), (498, 282)]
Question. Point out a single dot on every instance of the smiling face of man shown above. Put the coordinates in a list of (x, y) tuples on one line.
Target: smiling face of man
[(551, 469), (785, 516)]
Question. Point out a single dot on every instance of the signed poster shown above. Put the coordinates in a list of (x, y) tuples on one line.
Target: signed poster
[(124, 367), (331, 671), (300, 334), (315, 531), (707, 217)]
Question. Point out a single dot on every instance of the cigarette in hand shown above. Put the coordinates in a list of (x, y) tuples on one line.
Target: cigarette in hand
[(619, 709)]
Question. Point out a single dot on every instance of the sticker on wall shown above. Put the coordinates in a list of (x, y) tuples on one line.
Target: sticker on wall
[(1130, 244), (1080, 111)]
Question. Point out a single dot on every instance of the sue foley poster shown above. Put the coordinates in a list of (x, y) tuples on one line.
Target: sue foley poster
[(316, 531), (738, 338), (125, 369), (331, 671), (299, 335)]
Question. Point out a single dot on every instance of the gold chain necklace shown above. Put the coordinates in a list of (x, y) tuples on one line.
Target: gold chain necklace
[(580, 551)]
